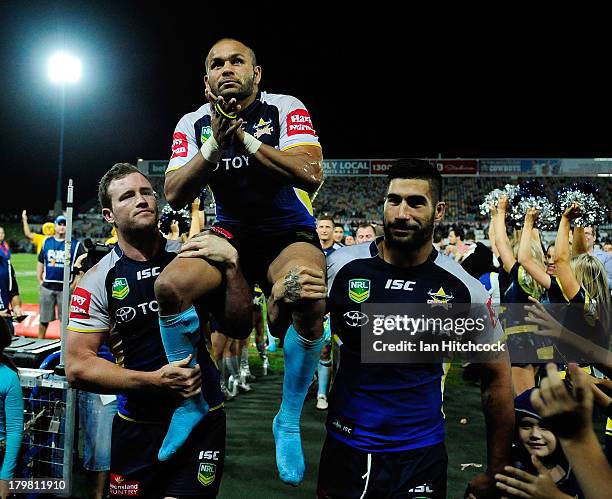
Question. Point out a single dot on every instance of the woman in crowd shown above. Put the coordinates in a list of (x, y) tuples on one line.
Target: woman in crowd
[(11, 413)]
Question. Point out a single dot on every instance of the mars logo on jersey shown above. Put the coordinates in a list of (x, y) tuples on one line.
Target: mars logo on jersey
[(299, 122), (79, 305), (359, 290), (206, 473), (179, 145)]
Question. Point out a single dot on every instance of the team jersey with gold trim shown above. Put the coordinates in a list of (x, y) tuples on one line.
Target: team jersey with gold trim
[(246, 195), (380, 407), (117, 296)]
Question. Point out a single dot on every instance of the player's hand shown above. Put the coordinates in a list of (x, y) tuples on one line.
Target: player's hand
[(531, 216), (567, 413), (211, 247), (547, 324), (24, 216), (5, 314), (176, 376), (519, 483), (223, 128), (300, 283), (195, 205), (482, 486), (572, 212)]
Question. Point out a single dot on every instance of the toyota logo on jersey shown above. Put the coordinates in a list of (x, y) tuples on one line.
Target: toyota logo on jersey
[(355, 318), (125, 314)]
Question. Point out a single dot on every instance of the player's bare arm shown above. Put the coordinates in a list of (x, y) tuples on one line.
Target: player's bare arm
[(85, 370)]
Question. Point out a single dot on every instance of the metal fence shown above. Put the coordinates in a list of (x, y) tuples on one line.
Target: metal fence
[(49, 427)]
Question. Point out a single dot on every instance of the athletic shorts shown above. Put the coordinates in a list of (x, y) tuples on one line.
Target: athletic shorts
[(258, 250), (348, 473), (96, 423), (194, 471), (48, 300)]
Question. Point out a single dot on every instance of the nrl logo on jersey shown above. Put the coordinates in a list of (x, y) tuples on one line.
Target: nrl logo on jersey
[(205, 134), (263, 128), (359, 290), (120, 288), (206, 473)]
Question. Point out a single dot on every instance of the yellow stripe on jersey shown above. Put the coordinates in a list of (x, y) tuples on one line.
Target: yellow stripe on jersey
[(446, 367), (562, 290), (609, 427), (173, 168), (74, 329), (316, 144), (304, 199)]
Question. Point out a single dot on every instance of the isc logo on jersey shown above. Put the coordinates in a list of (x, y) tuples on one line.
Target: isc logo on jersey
[(146, 273), (400, 284)]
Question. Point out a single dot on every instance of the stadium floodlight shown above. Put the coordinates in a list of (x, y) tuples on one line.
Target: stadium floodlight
[(64, 68)]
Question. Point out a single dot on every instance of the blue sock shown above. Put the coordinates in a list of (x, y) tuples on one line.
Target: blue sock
[(301, 357), (271, 340), (323, 371), (180, 334)]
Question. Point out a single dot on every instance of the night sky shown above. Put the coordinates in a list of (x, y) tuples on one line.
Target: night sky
[(378, 83)]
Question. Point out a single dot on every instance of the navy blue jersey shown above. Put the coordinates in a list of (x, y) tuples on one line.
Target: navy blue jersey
[(520, 286), (117, 296), (246, 196), (8, 284), (52, 256), (389, 407)]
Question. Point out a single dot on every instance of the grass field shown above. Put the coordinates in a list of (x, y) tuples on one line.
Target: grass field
[(25, 272)]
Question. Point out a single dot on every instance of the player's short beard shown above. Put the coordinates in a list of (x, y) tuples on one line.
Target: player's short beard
[(419, 237), (245, 91)]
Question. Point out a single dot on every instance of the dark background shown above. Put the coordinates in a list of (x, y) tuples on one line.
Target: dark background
[(378, 82)]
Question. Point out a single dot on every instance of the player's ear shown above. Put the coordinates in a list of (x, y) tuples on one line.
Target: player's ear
[(108, 215), (440, 210), (257, 74)]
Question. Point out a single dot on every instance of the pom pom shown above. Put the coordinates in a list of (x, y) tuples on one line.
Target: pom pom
[(531, 194), (168, 214), (585, 195), (492, 199)]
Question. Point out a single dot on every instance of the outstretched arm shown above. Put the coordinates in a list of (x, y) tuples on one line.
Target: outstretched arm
[(26, 226), (501, 238), (525, 257), (562, 253)]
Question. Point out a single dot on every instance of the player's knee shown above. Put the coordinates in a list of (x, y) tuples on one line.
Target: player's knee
[(167, 292), (309, 318)]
